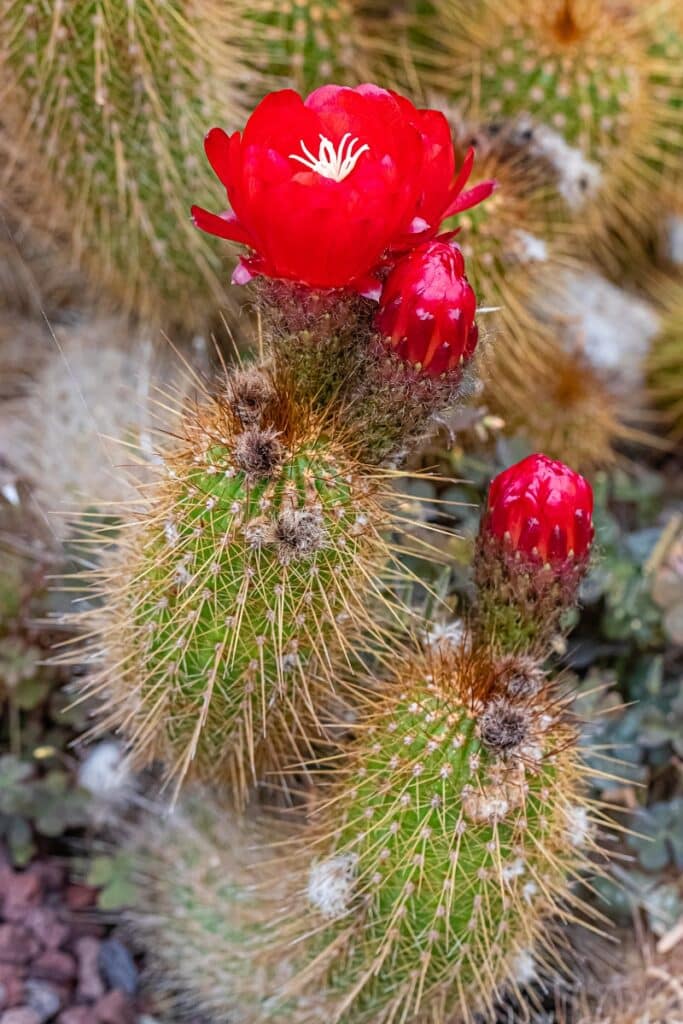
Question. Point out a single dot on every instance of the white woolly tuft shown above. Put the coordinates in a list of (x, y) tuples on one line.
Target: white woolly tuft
[(674, 226), (613, 328), (331, 883), (578, 177), (105, 773), (513, 870), (529, 248), (449, 634)]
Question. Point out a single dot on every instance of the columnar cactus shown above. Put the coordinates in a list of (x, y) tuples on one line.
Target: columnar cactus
[(453, 824), (665, 364), (304, 44), (109, 99), (258, 549), (422, 885)]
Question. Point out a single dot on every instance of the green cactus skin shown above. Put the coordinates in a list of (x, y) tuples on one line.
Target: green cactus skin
[(580, 67), (210, 884), (423, 885), (110, 102), (255, 555)]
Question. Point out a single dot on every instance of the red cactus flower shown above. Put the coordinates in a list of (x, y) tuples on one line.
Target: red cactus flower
[(542, 512), (427, 309), (323, 189)]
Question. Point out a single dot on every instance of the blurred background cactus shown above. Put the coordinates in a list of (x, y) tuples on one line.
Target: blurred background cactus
[(106, 103)]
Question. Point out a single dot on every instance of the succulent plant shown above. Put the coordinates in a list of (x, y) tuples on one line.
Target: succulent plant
[(306, 44)]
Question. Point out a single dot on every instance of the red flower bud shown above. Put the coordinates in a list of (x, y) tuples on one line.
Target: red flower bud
[(541, 511), (427, 309)]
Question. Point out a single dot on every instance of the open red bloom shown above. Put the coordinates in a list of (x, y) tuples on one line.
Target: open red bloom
[(427, 309), (322, 189), (542, 512)]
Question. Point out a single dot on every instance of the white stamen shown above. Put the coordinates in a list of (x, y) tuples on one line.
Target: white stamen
[(332, 163)]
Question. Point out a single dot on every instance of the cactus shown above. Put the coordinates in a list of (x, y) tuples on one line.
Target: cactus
[(525, 222), (520, 248), (110, 100), (254, 592), (454, 819), (423, 882), (255, 553), (88, 397)]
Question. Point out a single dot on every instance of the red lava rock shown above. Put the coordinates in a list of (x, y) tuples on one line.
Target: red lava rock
[(17, 945), (20, 1015), (90, 984), (11, 985), (114, 1008), (79, 897), (54, 966), (77, 1015), (45, 924), (51, 873), (23, 890), (6, 875)]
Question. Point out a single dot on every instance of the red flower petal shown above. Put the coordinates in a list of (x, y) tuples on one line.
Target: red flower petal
[(223, 225)]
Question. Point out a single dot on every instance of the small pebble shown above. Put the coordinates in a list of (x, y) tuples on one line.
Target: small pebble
[(54, 966), (43, 999), (118, 966), (114, 1008), (90, 984), (12, 982), (20, 1015), (77, 1015), (45, 925), (17, 945), (23, 891)]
